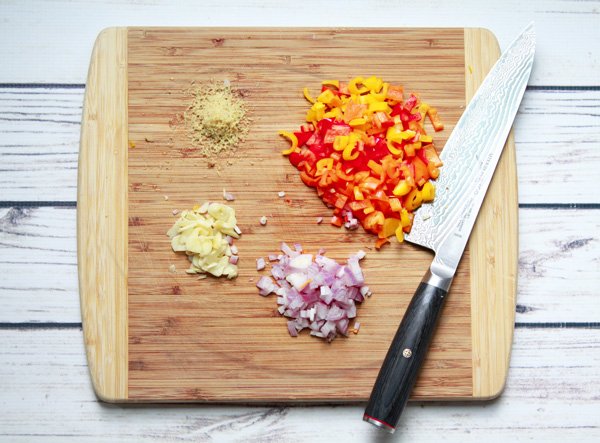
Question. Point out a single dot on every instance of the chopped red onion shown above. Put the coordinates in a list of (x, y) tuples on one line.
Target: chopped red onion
[(265, 285), (233, 259), (234, 249), (260, 264), (228, 196), (301, 262), (287, 250), (319, 220), (292, 329), (263, 220), (315, 293)]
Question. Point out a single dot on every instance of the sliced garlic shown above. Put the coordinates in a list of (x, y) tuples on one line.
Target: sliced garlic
[(202, 234)]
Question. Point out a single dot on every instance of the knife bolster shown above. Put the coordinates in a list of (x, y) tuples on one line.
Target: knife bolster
[(435, 279)]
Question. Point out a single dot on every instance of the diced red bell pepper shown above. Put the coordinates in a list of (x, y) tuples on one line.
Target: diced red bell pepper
[(303, 137)]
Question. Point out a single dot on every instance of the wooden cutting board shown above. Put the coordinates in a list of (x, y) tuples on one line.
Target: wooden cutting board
[(154, 335)]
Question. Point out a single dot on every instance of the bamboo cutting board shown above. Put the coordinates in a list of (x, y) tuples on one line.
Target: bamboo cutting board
[(154, 335)]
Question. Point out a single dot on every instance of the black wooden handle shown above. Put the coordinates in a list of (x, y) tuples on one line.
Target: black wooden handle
[(403, 361)]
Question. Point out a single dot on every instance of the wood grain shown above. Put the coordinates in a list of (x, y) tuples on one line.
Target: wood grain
[(40, 128), (551, 394), (237, 348), (492, 244), (102, 216), (553, 286)]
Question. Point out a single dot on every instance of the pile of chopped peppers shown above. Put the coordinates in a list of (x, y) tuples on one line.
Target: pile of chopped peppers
[(366, 152)]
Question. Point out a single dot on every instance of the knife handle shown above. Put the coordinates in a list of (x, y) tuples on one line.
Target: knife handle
[(405, 356)]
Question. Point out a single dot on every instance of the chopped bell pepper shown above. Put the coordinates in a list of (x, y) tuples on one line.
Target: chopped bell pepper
[(366, 153), (307, 95), (291, 137)]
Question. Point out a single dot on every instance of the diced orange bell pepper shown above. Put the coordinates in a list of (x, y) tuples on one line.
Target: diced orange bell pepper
[(435, 119)]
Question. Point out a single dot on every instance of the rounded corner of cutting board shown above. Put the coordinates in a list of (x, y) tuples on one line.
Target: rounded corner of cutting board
[(493, 245), (102, 216), (103, 212)]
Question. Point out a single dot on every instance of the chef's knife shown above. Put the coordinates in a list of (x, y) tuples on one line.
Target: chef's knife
[(470, 157)]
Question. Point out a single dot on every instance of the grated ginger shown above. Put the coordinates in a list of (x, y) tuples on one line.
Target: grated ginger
[(216, 120)]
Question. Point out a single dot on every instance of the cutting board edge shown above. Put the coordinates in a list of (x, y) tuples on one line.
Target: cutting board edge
[(102, 221), (109, 358), (494, 256)]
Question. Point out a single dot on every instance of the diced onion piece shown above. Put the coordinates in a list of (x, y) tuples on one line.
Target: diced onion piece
[(266, 285), (228, 196), (302, 261), (260, 264), (315, 292)]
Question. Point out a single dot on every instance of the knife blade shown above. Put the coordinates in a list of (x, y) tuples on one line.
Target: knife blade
[(470, 157)]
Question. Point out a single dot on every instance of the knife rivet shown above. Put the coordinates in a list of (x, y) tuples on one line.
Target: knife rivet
[(407, 353)]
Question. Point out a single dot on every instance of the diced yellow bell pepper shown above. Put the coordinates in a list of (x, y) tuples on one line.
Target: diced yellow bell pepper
[(378, 107), (373, 83), (316, 112), (423, 108), (335, 113), (340, 142), (353, 86), (326, 96), (393, 149), (307, 95), (399, 234), (350, 153), (425, 138), (369, 210), (325, 163), (404, 218), (335, 83), (395, 204), (381, 96), (358, 195), (397, 134), (375, 167), (291, 137), (402, 188), (367, 99), (428, 192), (357, 121), (408, 134)]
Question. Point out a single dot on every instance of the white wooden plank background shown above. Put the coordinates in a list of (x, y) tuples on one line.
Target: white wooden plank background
[(553, 389), (566, 30), (47, 397)]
